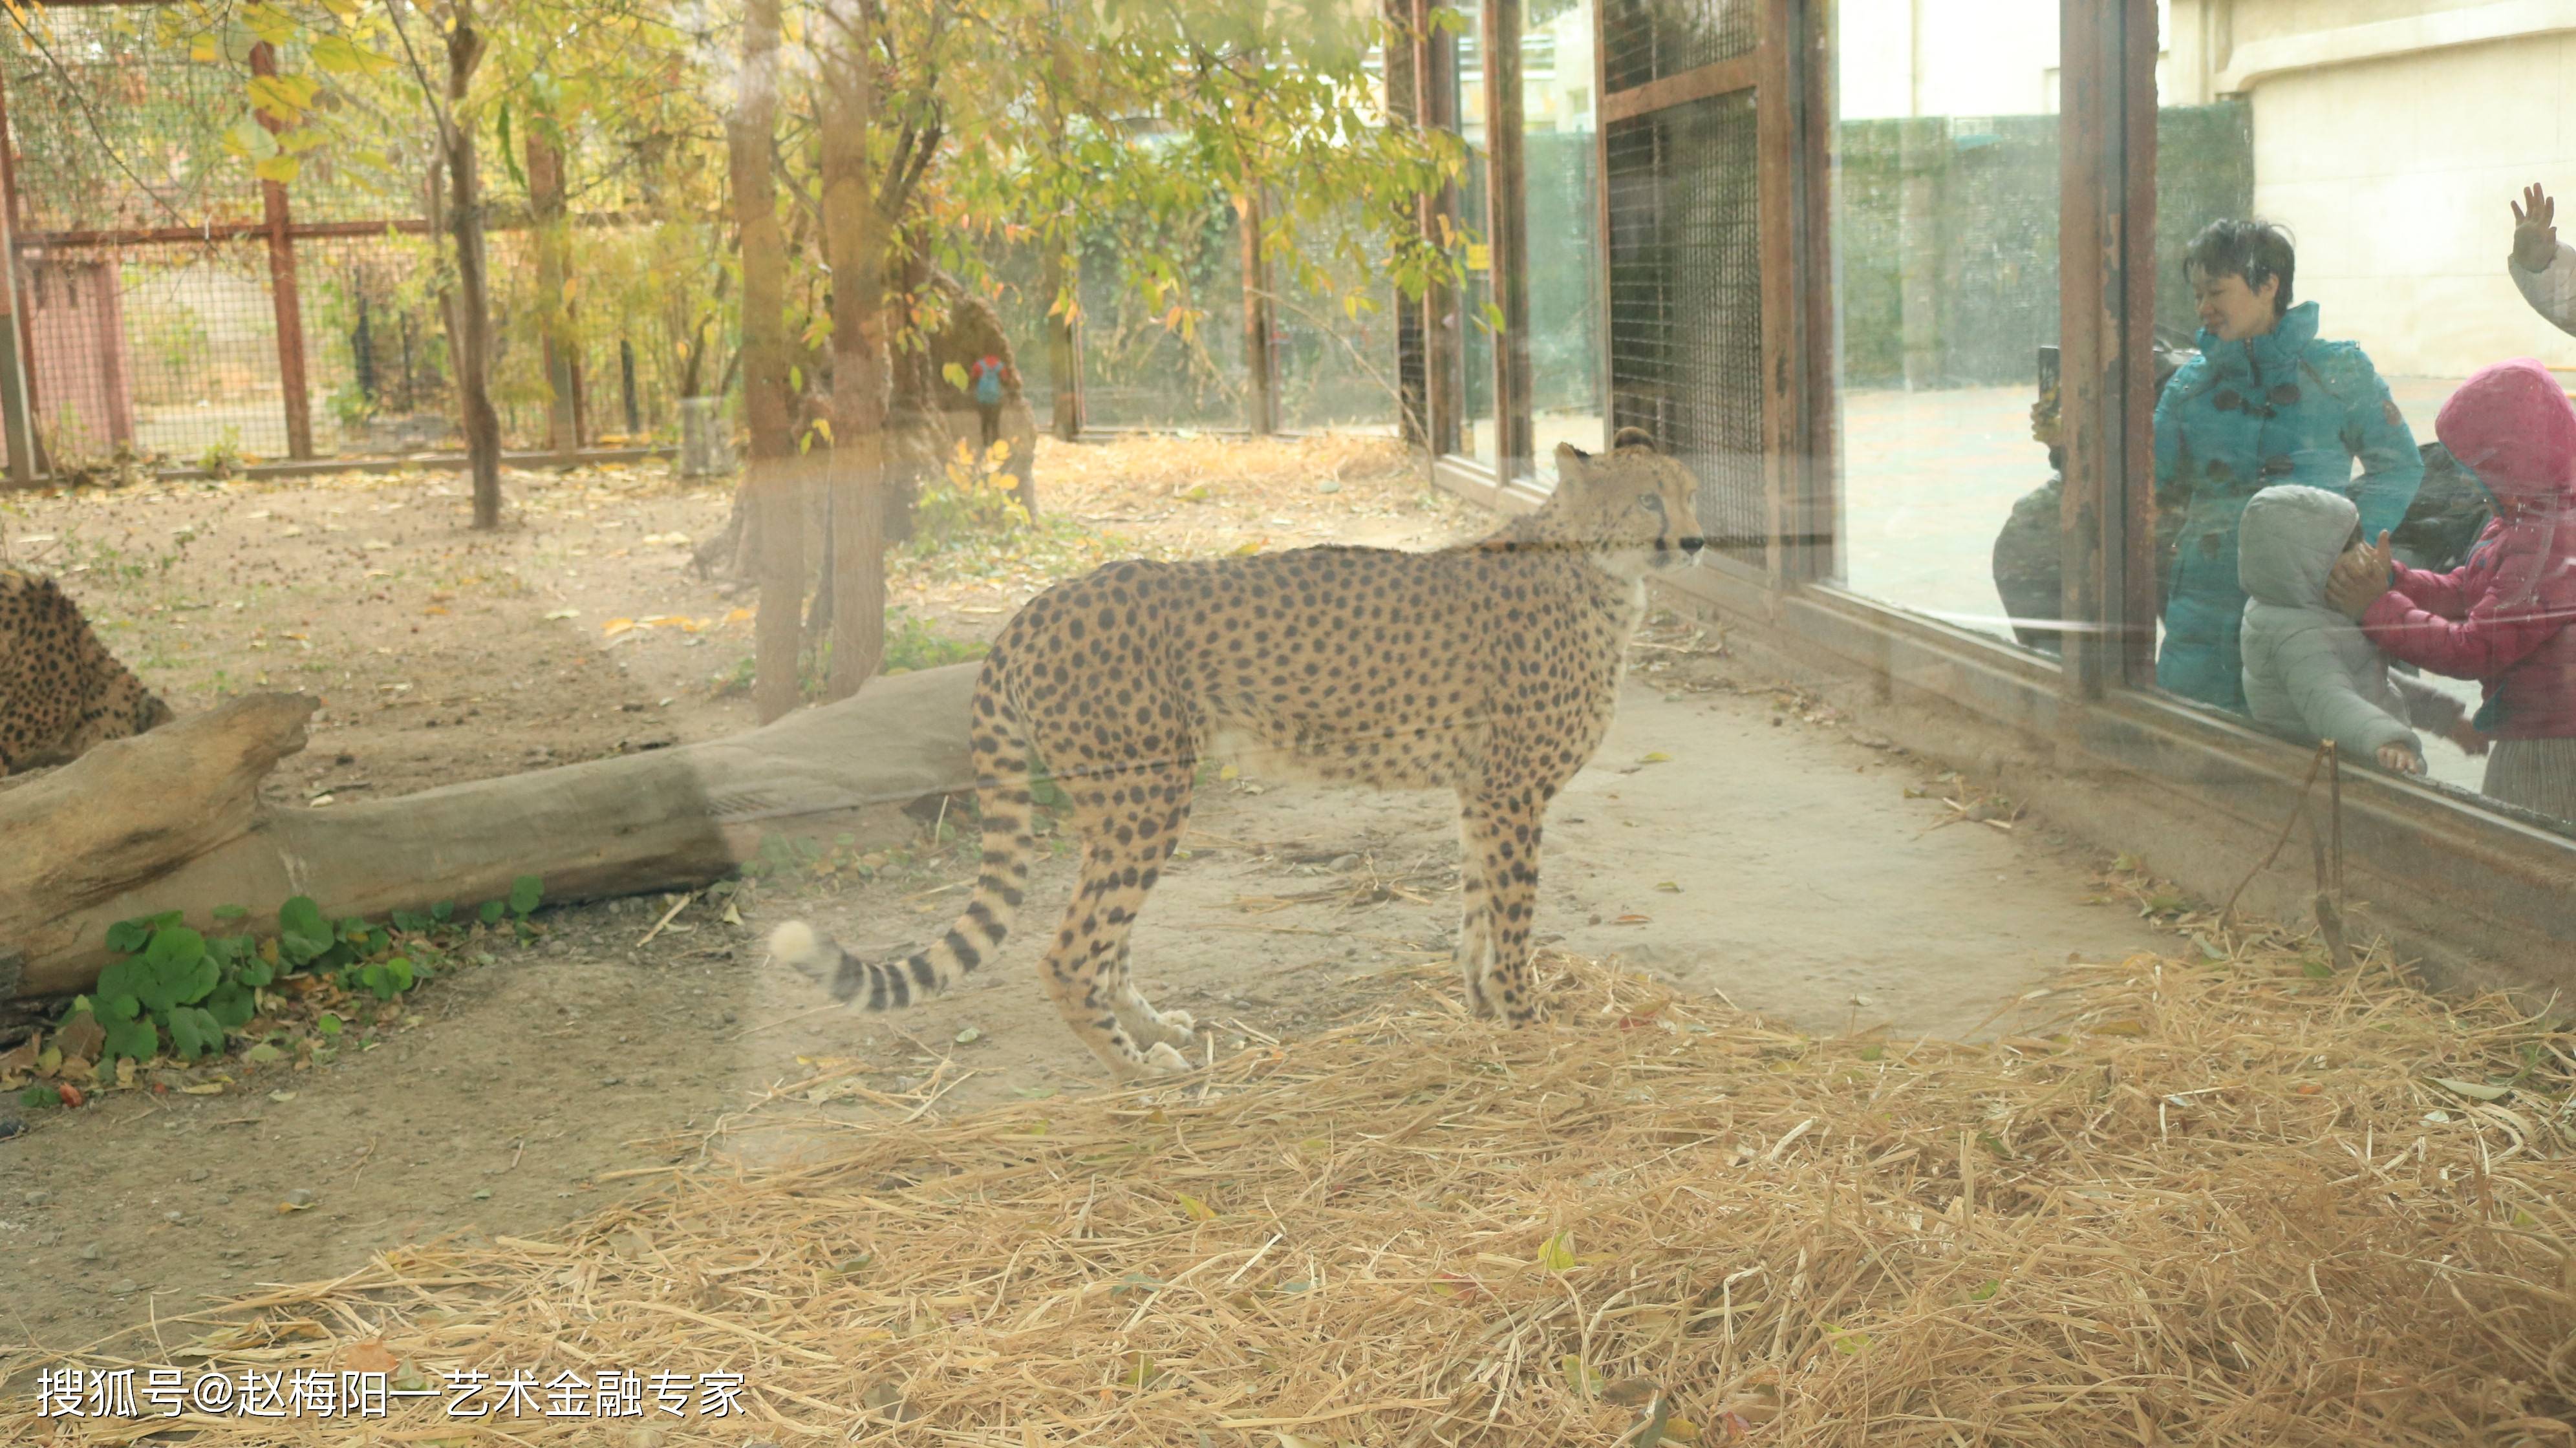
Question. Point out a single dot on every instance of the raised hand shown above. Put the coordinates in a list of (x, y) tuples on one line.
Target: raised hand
[(2535, 230), (2360, 578)]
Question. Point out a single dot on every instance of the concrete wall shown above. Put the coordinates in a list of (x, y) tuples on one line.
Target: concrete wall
[(2389, 136), (2395, 176)]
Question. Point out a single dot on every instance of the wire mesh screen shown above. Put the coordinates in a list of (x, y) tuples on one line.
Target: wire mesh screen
[(375, 345), (1646, 40), (110, 129), (1686, 303), (152, 297)]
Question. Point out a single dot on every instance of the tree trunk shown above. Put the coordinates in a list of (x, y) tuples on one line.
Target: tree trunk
[(854, 240), (554, 273), (170, 820), (473, 290), (1261, 390), (1063, 292), (777, 518), (1064, 357)]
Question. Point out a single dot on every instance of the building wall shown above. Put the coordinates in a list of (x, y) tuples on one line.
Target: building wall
[(2394, 169), (2259, 20), (1901, 58)]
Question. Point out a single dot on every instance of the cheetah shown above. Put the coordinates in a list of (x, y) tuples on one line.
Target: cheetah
[(1489, 668), (61, 691)]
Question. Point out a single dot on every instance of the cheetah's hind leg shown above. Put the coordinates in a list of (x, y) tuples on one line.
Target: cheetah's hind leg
[(1475, 918), (1129, 823)]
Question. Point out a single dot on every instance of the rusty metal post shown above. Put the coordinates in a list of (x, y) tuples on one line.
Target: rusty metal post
[(1260, 376), (545, 169), (1435, 68), (281, 285), (2106, 250), (1507, 233), (16, 416)]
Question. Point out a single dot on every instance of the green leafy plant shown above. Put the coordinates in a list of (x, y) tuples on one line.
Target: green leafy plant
[(175, 984), (971, 501), (910, 644), (224, 457), (179, 992), (514, 908)]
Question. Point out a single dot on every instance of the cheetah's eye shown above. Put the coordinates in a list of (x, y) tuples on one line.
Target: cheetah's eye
[(1652, 504)]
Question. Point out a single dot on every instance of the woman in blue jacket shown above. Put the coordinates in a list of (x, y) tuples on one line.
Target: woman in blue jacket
[(2264, 403)]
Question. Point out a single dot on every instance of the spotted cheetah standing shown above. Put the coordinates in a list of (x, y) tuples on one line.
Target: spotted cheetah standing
[(1490, 668), (61, 691)]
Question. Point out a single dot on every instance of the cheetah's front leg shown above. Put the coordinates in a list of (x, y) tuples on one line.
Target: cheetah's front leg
[(1502, 838)]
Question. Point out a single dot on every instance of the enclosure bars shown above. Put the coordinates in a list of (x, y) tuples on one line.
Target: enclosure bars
[(2106, 275), (281, 284), (21, 382), (1507, 231), (1435, 70), (1791, 482), (1708, 280), (16, 417)]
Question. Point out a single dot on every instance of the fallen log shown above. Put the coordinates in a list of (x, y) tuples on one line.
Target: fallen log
[(170, 820)]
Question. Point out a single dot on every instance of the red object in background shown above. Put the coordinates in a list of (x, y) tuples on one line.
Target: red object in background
[(81, 364)]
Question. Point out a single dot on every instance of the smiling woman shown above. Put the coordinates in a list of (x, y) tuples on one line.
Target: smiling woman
[(2266, 402)]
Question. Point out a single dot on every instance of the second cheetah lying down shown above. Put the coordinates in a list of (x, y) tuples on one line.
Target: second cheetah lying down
[(1490, 668), (61, 691)]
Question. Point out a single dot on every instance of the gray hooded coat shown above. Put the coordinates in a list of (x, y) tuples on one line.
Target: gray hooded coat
[(2308, 668)]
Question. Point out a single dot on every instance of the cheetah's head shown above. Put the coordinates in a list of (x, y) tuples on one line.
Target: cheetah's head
[(1633, 507)]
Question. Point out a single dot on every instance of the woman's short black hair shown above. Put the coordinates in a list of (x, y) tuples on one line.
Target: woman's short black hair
[(2238, 247)]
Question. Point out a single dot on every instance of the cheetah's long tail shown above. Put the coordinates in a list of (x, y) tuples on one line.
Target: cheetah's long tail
[(1001, 753)]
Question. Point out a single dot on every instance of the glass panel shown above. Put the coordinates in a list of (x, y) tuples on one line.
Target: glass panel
[(1561, 154), (1945, 204), (2337, 239)]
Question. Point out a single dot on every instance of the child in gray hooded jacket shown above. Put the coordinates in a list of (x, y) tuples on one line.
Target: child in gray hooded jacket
[(2308, 668)]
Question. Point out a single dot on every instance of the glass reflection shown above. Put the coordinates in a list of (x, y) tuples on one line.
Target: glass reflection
[(2407, 216)]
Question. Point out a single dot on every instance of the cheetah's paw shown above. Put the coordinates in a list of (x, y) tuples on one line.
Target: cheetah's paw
[(1164, 1061)]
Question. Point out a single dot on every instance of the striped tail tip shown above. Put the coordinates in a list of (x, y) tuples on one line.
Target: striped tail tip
[(818, 957), (885, 987)]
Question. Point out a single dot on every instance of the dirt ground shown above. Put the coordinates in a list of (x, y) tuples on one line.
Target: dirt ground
[(1729, 838)]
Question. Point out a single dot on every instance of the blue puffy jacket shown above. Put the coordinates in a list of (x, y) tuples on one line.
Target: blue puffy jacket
[(2283, 407)]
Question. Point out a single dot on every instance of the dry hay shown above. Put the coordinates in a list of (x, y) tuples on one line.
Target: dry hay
[(2222, 1202)]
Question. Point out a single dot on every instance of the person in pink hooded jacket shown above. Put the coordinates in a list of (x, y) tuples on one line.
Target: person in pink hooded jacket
[(2508, 617)]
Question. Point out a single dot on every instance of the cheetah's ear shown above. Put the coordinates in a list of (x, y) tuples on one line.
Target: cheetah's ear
[(1570, 459), (1629, 437)]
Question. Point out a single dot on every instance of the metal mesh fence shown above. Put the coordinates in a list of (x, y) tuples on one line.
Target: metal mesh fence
[(1646, 40), (1142, 368), (168, 350), (1686, 303), (375, 344), (150, 289), (154, 283)]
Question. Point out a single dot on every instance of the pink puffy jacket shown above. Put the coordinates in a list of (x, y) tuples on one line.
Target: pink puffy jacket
[(2503, 618)]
